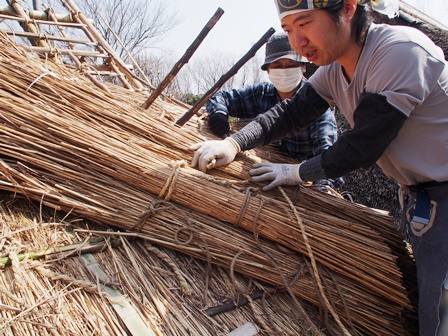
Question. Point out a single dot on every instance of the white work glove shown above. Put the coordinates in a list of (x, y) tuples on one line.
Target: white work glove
[(214, 153), (279, 174)]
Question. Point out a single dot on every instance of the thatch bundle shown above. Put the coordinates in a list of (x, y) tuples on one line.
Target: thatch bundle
[(167, 290), (95, 154)]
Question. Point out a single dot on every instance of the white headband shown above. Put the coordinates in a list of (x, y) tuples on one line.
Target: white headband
[(285, 7)]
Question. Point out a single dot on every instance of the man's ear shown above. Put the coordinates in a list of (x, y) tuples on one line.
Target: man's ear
[(350, 8)]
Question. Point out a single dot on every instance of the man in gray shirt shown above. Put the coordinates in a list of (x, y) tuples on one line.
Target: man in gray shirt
[(391, 84)]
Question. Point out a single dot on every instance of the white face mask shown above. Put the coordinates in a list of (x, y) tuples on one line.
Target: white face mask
[(285, 80)]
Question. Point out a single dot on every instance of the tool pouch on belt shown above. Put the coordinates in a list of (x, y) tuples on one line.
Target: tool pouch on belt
[(420, 210)]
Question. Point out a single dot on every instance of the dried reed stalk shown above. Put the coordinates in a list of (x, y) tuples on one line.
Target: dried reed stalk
[(80, 149), (145, 275)]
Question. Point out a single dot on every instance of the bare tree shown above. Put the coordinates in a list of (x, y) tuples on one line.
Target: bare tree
[(135, 26), (156, 66), (207, 69), (202, 73), (130, 25), (250, 73), (136, 23)]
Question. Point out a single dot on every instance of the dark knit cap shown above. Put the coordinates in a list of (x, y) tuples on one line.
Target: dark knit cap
[(278, 47)]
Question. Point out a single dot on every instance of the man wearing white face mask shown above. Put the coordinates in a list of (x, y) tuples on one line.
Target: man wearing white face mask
[(285, 70)]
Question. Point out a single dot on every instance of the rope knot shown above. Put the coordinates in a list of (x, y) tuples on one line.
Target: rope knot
[(168, 189)]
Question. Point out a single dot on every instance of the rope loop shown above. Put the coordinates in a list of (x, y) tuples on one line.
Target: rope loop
[(154, 208)]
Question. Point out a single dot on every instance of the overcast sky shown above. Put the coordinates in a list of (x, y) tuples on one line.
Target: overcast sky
[(244, 23)]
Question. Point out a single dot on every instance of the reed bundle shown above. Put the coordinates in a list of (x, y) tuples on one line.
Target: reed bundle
[(167, 288), (73, 147)]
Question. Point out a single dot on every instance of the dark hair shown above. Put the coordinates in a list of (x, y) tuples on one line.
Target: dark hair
[(361, 20)]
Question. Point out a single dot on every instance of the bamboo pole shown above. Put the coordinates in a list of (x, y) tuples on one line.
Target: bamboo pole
[(224, 78), (184, 59), (66, 21), (28, 23), (50, 37), (75, 59), (43, 21), (137, 66), (36, 7), (53, 51), (117, 69), (81, 18), (37, 15)]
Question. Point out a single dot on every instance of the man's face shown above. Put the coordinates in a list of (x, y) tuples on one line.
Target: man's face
[(316, 36)]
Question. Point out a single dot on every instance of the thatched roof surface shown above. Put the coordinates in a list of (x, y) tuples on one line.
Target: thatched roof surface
[(169, 292), (413, 16), (336, 267)]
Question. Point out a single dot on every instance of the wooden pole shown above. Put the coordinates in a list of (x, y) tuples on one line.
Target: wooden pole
[(50, 37), (79, 17), (28, 24), (52, 51), (41, 17), (52, 16), (184, 59), (36, 4), (224, 78), (125, 49)]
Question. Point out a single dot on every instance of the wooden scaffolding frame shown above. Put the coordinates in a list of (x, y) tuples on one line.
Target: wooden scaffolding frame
[(47, 35)]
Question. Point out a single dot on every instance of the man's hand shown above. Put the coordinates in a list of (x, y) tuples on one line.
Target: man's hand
[(279, 174), (223, 151), (219, 123)]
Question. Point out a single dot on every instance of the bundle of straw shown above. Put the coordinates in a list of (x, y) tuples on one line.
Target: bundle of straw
[(73, 147), (168, 289)]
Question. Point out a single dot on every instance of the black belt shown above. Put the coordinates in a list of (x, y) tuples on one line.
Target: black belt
[(428, 184)]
